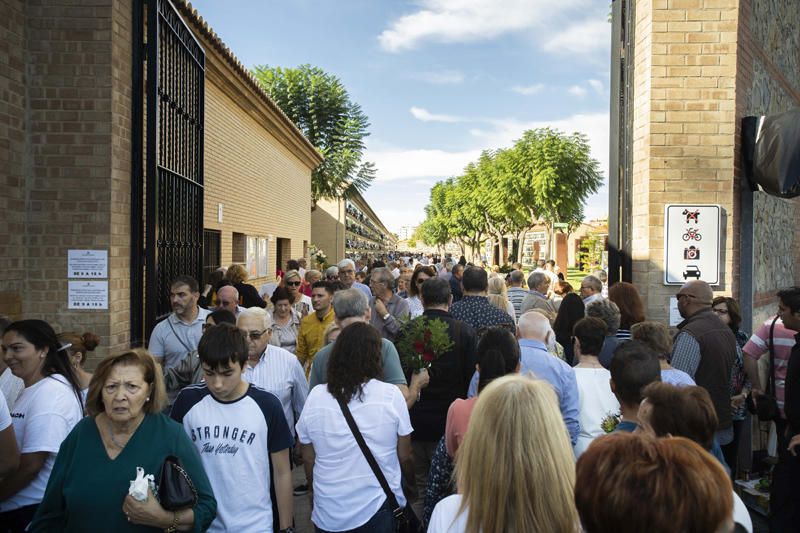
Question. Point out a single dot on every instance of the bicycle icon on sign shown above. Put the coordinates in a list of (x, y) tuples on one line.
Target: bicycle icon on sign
[(692, 234)]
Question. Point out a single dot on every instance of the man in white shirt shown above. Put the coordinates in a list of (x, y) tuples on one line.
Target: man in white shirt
[(272, 368), (178, 334), (238, 430), (591, 289)]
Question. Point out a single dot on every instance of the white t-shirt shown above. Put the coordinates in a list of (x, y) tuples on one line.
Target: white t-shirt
[(234, 440), (43, 416), (346, 492), (444, 519), (5, 415), (11, 386), (596, 402)]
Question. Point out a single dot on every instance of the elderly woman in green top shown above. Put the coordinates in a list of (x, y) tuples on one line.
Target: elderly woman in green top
[(88, 488)]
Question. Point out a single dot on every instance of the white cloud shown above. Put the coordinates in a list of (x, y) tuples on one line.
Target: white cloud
[(577, 90), (452, 21), (426, 116), (528, 90), (591, 35), (597, 85), (398, 163), (446, 77)]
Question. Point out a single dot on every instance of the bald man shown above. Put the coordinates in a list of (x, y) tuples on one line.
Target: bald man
[(532, 332), (228, 298), (706, 349)]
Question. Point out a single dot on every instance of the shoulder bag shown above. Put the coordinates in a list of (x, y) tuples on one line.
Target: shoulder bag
[(175, 488), (405, 519), (766, 407)]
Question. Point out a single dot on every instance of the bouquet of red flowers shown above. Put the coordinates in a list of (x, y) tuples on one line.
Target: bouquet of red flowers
[(422, 341)]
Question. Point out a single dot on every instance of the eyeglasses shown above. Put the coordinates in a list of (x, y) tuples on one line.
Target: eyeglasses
[(681, 295), (255, 335), (420, 281), (293, 283)]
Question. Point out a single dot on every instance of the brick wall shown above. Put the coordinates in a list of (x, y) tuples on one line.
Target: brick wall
[(12, 149), (265, 188), (684, 77), (57, 142), (328, 229)]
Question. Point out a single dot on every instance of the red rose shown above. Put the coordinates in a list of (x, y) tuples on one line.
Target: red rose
[(428, 356), (419, 346)]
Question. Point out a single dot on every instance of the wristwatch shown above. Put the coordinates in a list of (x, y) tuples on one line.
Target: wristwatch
[(386, 316)]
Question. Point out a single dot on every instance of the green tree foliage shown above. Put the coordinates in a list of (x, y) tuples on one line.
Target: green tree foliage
[(559, 172), (319, 105), (545, 178)]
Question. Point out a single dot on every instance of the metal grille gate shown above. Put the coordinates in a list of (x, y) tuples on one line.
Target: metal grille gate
[(169, 237)]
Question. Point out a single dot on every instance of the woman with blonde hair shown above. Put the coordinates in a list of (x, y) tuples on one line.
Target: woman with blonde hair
[(498, 296), (515, 470)]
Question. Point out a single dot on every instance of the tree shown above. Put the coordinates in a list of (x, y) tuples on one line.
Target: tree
[(319, 105), (559, 172)]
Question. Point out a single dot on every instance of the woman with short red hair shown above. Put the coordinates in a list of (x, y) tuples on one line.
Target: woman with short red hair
[(631, 482)]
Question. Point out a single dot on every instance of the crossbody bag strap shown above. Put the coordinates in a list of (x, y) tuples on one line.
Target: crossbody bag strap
[(189, 350), (373, 464), (771, 377)]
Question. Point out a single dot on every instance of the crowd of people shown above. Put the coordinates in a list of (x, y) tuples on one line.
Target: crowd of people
[(430, 394)]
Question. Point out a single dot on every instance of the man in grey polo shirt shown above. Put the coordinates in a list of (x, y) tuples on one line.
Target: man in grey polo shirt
[(179, 334)]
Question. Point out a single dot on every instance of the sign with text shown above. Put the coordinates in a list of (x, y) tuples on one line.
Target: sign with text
[(91, 295), (87, 263), (692, 234)]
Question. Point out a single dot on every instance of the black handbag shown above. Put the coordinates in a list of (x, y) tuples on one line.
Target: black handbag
[(405, 519), (766, 407), (175, 488)]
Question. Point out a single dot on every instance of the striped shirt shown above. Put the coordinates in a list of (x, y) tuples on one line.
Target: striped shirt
[(278, 371), (516, 295), (757, 347)]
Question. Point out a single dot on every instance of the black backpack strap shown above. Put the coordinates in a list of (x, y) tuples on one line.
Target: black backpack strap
[(771, 377), (373, 464)]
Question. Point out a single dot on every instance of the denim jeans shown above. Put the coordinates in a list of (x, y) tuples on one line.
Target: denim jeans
[(381, 522)]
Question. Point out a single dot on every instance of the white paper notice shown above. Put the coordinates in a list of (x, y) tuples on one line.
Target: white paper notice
[(87, 264), (675, 317), (88, 295)]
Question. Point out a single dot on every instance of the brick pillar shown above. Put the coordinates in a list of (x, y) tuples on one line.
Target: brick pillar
[(684, 124)]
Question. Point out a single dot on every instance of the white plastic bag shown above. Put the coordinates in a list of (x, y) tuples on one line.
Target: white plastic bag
[(141, 484)]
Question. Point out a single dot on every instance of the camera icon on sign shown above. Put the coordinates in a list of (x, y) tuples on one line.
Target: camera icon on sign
[(691, 253)]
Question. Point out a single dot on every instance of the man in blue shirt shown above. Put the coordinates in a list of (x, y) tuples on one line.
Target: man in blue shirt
[(532, 331)]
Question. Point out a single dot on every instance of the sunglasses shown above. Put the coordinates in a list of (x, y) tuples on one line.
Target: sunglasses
[(293, 283), (420, 281), (255, 335)]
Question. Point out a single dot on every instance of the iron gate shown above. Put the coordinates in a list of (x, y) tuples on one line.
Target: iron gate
[(168, 183)]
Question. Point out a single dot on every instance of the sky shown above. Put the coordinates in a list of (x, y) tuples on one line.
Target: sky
[(440, 80)]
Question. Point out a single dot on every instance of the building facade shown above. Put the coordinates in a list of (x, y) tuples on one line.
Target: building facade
[(75, 172), (349, 228), (684, 76)]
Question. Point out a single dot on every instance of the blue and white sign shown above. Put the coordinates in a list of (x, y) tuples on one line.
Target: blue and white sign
[(692, 234)]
